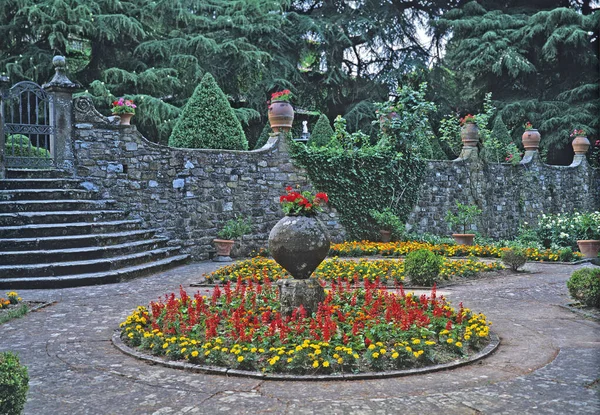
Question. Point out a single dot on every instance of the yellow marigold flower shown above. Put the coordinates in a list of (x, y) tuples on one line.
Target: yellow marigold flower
[(253, 350), (206, 353), (458, 344), (261, 350), (165, 345), (450, 341), (183, 350), (408, 349), (325, 363), (382, 351), (375, 355), (316, 363), (318, 352), (336, 356), (371, 346), (416, 341), (355, 355), (240, 359), (467, 337), (130, 335), (395, 355), (195, 353), (340, 360)]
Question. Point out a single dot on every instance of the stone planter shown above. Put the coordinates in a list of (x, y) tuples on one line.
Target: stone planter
[(589, 247), (223, 250), (386, 236), (125, 118), (463, 238), (580, 145), (299, 244), (281, 116), (531, 140), (469, 134)]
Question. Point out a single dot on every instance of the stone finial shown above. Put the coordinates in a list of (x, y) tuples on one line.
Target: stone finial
[(60, 79)]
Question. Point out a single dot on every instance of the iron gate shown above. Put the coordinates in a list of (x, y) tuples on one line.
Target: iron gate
[(28, 116)]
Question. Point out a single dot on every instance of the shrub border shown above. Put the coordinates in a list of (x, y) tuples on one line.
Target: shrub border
[(215, 370)]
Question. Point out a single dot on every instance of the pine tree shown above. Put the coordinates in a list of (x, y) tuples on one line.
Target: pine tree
[(321, 133), (500, 131), (208, 121)]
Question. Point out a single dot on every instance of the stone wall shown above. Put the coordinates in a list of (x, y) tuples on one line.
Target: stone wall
[(507, 194), (188, 194)]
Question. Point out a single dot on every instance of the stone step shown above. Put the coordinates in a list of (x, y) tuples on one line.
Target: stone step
[(36, 173), (46, 194), (7, 184), (28, 218), (64, 229), (87, 266), (74, 241), (77, 280), (80, 254), (54, 205)]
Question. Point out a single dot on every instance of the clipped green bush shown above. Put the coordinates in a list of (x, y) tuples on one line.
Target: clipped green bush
[(423, 267), (19, 145), (14, 384), (515, 258), (208, 121), (321, 133), (584, 285)]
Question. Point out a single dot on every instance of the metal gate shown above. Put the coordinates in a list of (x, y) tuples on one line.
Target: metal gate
[(28, 116)]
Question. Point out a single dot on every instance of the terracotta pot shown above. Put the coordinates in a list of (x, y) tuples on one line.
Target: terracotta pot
[(223, 250), (589, 247), (580, 145), (469, 134), (463, 238), (299, 244), (386, 236), (531, 140), (125, 118), (281, 116)]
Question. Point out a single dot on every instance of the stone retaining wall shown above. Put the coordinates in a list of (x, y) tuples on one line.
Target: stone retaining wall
[(189, 194), (507, 194)]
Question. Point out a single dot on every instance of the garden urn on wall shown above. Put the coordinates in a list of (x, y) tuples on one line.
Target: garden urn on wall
[(531, 138), (469, 132), (281, 112), (125, 109), (580, 143)]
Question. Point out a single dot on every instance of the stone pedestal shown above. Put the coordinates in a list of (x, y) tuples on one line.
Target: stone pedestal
[(293, 293)]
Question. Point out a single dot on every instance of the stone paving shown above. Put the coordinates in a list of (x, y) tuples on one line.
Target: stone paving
[(548, 361)]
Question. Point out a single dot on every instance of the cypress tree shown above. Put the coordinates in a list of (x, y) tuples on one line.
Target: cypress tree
[(208, 121), (500, 131), (322, 133), (263, 137)]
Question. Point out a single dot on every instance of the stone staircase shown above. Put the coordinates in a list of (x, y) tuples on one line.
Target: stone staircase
[(54, 233)]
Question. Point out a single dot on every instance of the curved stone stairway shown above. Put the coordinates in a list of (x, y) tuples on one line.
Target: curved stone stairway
[(54, 233)]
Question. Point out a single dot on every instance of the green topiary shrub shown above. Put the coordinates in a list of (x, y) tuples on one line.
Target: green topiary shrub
[(208, 121), (14, 383), (19, 145), (422, 267), (263, 137), (321, 133), (515, 258), (584, 285)]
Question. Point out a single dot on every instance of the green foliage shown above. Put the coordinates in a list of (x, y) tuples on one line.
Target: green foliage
[(19, 145), (465, 215), (321, 133), (263, 137), (207, 121), (584, 285), (235, 228), (515, 258), (422, 267), (566, 255), (14, 384), (564, 229), (387, 220), (449, 135)]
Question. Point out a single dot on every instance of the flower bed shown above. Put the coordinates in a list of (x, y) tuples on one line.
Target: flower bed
[(354, 330), (367, 248), (387, 271)]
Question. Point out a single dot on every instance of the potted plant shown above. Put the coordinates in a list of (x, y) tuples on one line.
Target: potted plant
[(588, 234), (281, 112), (531, 137), (469, 132), (464, 217), (580, 143), (124, 108), (234, 228), (387, 221)]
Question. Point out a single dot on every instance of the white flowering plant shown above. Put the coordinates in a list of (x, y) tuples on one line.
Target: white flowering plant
[(565, 229)]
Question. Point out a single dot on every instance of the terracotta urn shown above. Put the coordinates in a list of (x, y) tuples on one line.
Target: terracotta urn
[(589, 247), (125, 118), (299, 244), (463, 238), (580, 145), (469, 134), (281, 116), (531, 140), (386, 236), (223, 250)]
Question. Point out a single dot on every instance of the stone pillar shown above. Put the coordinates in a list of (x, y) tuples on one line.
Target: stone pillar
[(61, 107), (3, 90)]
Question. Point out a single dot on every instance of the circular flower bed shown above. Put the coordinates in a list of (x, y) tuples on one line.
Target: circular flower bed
[(356, 329), (387, 271)]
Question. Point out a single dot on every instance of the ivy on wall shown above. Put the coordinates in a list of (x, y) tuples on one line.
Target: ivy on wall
[(358, 180)]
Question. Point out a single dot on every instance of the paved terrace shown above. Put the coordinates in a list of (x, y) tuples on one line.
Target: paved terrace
[(548, 361)]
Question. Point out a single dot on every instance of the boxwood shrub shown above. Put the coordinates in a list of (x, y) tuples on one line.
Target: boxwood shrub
[(422, 267), (584, 285), (14, 383)]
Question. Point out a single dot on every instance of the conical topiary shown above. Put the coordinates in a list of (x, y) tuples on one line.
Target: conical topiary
[(500, 131), (263, 137), (322, 133), (208, 121)]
